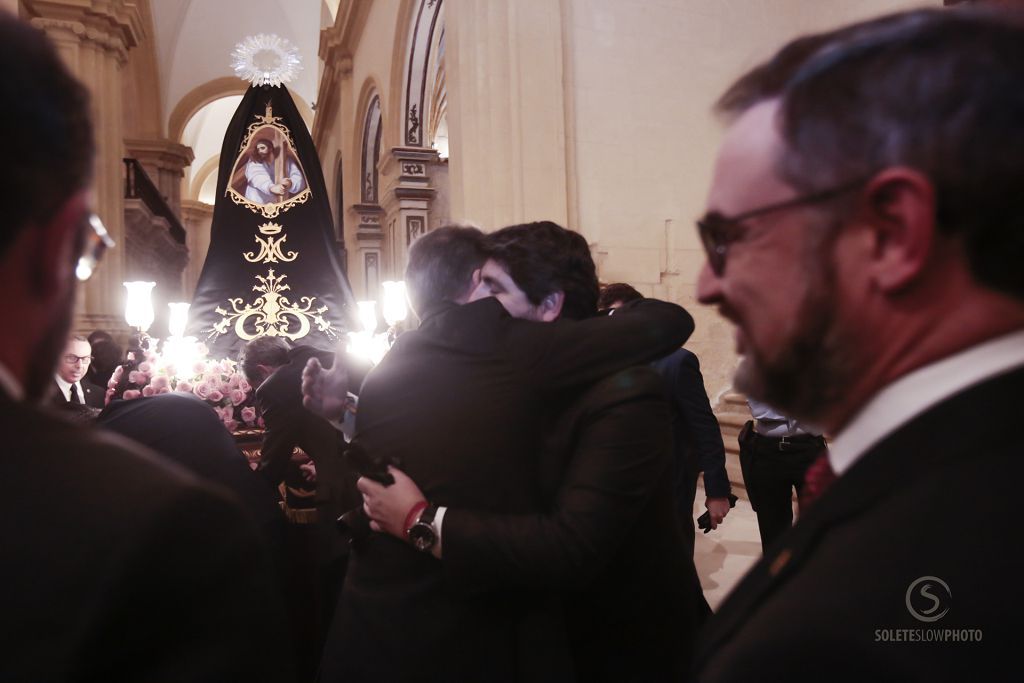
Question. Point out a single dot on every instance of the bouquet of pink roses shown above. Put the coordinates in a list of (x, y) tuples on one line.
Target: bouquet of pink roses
[(218, 382)]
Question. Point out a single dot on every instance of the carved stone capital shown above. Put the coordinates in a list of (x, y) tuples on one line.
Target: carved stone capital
[(116, 26), (164, 154)]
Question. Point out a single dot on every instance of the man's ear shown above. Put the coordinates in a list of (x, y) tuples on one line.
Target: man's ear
[(54, 246), (900, 211), (471, 293), (550, 307)]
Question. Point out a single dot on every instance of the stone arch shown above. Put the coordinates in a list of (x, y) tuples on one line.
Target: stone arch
[(200, 177), (201, 95), (369, 143), (424, 32)]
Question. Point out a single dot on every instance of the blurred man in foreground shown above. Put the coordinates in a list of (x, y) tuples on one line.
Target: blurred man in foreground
[(119, 567)]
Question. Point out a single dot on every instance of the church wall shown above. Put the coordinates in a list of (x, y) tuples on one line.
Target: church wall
[(642, 76)]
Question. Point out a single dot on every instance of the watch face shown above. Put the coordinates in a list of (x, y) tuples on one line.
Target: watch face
[(422, 536)]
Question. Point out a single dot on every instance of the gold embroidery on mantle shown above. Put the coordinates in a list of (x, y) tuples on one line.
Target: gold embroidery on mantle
[(272, 314)]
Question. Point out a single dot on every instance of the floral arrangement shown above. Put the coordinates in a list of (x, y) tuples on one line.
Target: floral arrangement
[(218, 382)]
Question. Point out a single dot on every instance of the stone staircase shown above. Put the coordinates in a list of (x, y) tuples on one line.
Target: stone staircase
[(732, 412)]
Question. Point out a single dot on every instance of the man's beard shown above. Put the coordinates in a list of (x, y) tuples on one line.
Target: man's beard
[(264, 158), (814, 371), (43, 363)]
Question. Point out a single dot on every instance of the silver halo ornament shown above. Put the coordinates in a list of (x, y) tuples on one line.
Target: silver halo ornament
[(266, 59)]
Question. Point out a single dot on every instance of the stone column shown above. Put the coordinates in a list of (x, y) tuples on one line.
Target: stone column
[(94, 40), (365, 273), (198, 219), (506, 112)]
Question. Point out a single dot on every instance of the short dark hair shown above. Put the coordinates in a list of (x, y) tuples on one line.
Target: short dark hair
[(47, 109), (544, 257), (940, 91), (269, 351), (441, 265), (617, 292)]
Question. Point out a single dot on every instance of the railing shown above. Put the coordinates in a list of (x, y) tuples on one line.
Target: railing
[(138, 185)]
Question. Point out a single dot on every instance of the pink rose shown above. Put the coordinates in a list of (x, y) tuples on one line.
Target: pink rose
[(245, 386), (160, 382), (249, 414), (185, 386), (202, 390), (146, 367), (215, 396), (136, 377), (237, 396), (202, 349), (163, 390), (132, 394), (235, 379), (118, 374), (260, 423), (148, 390), (198, 368), (232, 425)]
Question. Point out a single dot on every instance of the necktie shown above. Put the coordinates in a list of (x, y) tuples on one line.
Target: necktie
[(74, 396), (819, 476)]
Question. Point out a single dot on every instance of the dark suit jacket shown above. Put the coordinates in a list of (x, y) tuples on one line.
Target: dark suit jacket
[(697, 437), (127, 568), (185, 429), (94, 395), (289, 425), (459, 402), (937, 498), (611, 542)]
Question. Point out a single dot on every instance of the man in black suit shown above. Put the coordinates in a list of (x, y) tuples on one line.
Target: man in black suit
[(865, 236), (72, 387), (275, 370), (461, 403), (120, 566), (696, 435)]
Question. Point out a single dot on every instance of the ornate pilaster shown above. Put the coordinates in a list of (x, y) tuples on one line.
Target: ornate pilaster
[(365, 276), (198, 218), (406, 199), (94, 39)]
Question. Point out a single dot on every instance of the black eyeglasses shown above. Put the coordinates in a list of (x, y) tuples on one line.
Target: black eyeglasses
[(97, 241), (72, 359), (717, 232)]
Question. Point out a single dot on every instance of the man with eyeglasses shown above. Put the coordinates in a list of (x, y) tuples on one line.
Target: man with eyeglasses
[(117, 566), (866, 237), (72, 387)]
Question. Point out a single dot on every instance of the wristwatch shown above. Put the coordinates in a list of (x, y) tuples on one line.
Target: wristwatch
[(423, 533)]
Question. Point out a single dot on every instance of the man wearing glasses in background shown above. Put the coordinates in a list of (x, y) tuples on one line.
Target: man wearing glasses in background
[(72, 387)]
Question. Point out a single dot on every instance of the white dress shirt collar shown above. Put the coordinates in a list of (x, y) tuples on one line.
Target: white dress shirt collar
[(921, 389), (65, 388)]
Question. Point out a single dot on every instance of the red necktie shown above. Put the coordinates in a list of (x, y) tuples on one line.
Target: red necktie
[(819, 476)]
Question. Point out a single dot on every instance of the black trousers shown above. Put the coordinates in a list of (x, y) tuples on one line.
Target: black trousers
[(771, 473)]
